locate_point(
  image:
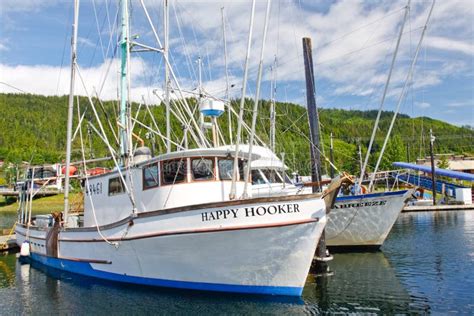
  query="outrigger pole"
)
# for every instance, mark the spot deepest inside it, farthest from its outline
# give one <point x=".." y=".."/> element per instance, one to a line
<point x="124" y="49"/>
<point x="70" y="108"/>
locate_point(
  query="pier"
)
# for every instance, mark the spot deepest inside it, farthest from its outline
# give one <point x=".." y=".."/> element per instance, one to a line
<point x="8" y="243"/>
<point x="434" y="208"/>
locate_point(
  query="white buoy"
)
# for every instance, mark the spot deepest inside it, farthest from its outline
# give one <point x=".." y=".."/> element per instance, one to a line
<point x="25" y="249"/>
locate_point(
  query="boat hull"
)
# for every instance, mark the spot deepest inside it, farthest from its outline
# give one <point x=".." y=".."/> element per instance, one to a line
<point x="267" y="254"/>
<point x="364" y="221"/>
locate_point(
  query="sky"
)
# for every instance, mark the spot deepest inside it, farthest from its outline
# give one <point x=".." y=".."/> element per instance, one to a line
<point x="353" y="45"/>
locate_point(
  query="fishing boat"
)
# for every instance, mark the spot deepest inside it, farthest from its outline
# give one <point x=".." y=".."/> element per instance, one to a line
<point x="355" y="222"/>
<point x="181" y="219"/>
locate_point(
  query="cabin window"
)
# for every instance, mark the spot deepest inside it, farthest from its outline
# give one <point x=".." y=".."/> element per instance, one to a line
<point x="116" y="186"/>
<point x="203" y="169"/>
<point x="257" y="177"/>
<point x="150" y="176"/>
<point x="272" y="176"/>
<point x="174" y="171"/>
<point x="226" y="168"/>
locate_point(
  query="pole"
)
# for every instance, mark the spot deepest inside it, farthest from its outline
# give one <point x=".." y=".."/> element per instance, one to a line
<point x="167" y="76"/>
<point x="331" y="157"/>
<point x="374" y="131"/>
<point x="360" y="160"/>
<point x="312" y="114"/>
<point x="229" y="105"/>
<point x="70" y="108"/>
<point x="123" y="79"/>
<point x="433" y="178"/>
<point x="241" y="110"/>
<point x="402" y="96"/>
<point x="321" y="256"/>
<point x="408" y="152"/>
<point x="257" y="96"/>
<point x="272" y="106"/>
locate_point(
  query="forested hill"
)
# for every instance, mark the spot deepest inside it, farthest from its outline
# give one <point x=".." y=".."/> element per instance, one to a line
<point x="33" y="129"/>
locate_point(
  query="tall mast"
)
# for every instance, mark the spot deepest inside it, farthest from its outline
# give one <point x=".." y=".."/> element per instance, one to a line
<point x="242" y="104"/>
<point x="124" y="49"/>
<point x="257" y="96"/>
<point x="374" y="131"/>
<point x="272" y="106"/>
<point x="401" y="98"/>
<point x="167" y="76"/>
<point x="70" y="107"/>
<point x="229" y="111"/>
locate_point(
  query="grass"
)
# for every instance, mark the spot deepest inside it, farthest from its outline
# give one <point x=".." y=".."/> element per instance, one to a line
<point x="43" y="205"/>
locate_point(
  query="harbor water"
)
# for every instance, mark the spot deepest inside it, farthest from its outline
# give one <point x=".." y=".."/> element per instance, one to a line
<point x="426" y="266"/>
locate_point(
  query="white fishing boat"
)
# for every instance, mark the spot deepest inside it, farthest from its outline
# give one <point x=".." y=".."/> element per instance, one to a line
<point x="181" y="219"/>
<point x="361" y="221"/>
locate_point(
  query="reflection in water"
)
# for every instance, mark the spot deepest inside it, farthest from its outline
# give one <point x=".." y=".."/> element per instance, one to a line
<point x="362" y="282"/>
<point x="426" y="266"/>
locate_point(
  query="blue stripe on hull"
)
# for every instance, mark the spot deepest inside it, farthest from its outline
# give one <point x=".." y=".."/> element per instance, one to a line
<point x="371" y="195"/>
<point x="85" y="268"/>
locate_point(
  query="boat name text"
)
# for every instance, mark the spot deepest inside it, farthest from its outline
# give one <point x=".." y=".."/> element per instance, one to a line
<point x="250" y="211"/>
<point x="361" y="204"/>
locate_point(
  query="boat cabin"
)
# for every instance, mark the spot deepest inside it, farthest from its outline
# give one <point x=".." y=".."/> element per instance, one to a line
<point x="171" y="180"/>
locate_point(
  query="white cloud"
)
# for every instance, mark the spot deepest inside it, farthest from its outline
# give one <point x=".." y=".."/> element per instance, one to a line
<point x="422" y="105"/>
<point x="450" y="45"/>
<point x="51" y="80"/>
<point x="461" y="104"/>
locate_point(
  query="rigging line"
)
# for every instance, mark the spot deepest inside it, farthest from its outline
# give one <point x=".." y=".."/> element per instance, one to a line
<point x="119" y="169"/>
<point x="99" y="29"/>
<point x="87" y="184"/>
<point x="189" y="62"/>
<point x="232" y="194"/>
<point x="402" y="95"/>
<point x="201" y="139"/>
<point x="374" y="131"/>
<point x="359" y="28"/>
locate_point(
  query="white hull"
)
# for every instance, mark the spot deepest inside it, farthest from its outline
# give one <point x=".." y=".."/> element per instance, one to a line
<point x="244" y="252"/>
<point x="364" y="220"/>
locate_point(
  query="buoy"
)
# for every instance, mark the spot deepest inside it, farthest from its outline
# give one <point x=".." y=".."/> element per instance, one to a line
<point x="25" y="249"/>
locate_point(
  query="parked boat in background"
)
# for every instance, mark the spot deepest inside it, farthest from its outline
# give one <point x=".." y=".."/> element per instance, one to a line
<point x="355" y="222"/>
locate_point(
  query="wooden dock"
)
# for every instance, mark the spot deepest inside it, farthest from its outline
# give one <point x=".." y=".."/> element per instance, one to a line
<point x="431" y="208"/>
<point x="8" y="243"/>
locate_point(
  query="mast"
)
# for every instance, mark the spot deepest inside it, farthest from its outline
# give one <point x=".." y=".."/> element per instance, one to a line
<point x="70" y="107"/>
<point x="242" y="104"/>
<point x="257" y="96"/>
<point x="124" y="49"/>
<point x="229" y="110"/>
<point x="401" y="98"/>
<point x="272" y="106"/>
<point x="433" y="175"/>
<point x="374" y="131"/>
<point x="167" y="79"/>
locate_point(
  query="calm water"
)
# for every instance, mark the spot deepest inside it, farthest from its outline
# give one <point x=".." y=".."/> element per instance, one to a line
<point x="427" y="266"/>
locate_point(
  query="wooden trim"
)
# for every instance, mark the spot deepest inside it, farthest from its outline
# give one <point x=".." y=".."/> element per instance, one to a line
<point x="199" y="231"/>
<point x="196" y="207"/>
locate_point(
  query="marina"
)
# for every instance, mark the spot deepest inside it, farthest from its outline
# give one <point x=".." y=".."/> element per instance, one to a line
<point x="153" y="186"/>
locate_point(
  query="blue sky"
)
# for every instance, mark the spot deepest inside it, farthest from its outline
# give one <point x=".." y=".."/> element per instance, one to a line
<point x="353" y="42"/>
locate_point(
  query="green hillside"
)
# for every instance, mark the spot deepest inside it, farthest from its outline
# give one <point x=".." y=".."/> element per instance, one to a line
<point x="33" y="129"/>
